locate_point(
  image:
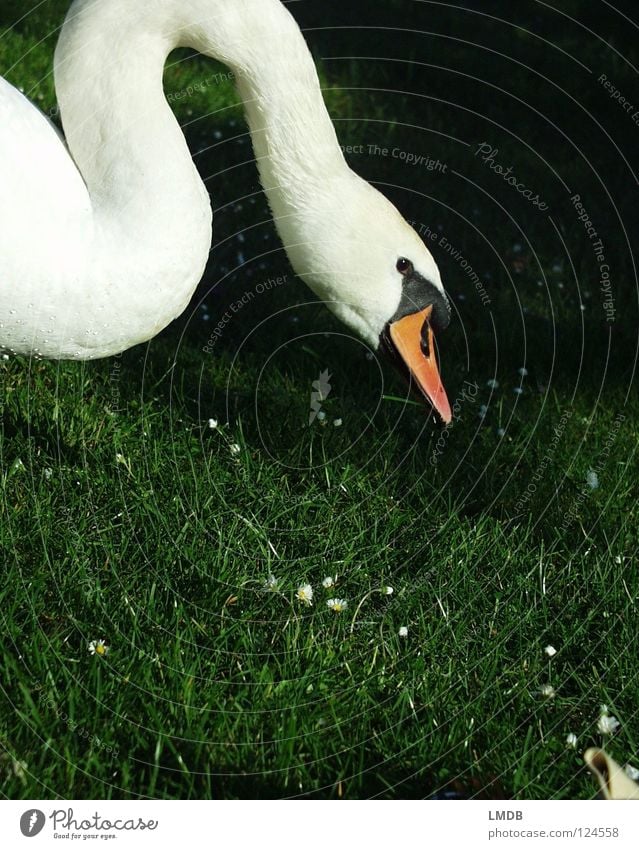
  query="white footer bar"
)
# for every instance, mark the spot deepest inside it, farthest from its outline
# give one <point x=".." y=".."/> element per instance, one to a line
<point x="311" y="825"/>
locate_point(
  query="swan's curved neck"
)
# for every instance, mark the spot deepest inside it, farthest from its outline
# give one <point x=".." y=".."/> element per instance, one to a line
<point x="126" y="142"/>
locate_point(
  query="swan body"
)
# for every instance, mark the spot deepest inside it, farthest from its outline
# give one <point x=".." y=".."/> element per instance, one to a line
<point x="104" y="235"/>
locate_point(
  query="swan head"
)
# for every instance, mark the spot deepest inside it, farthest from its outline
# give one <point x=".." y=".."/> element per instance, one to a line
<point x="375" y="274"/>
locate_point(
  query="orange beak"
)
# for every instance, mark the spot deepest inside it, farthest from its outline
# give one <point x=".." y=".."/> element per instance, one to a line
<point x="413" y="339"/>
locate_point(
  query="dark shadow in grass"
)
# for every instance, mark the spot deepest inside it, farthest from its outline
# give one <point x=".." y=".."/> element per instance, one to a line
<point x="385" y="780"/>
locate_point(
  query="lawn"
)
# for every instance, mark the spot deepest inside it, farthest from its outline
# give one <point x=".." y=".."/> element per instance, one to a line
<point x="461" y="554"/>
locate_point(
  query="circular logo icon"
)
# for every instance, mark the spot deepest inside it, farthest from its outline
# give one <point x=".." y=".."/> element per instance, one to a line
<point x="32" y="822"/>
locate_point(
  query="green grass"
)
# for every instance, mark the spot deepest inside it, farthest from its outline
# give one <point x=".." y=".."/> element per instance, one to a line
<point x="126" y="518"/>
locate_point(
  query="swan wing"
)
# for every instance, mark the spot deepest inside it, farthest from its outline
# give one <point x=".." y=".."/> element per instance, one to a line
<point x="42" y="193"/>
<point x="45" y="223"/>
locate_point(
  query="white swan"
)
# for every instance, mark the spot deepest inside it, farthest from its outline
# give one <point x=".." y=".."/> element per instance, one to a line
<point x="102" y="248"/>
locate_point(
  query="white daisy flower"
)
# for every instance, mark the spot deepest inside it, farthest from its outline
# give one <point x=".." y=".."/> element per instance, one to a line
<point x="321" y="416"/>
<point x="608" y="724"/>
<point x="518" y="390"/>
<point x="337" y="604"/>
<point x="328" y="582"/>
<point x="305" y="594"/>
<point x="551" y="651"/>
<point x="213" y="423"/>
<point x="388" y="590"/>
<point x="48" y="473"/>
<point x="592" y="479"/>
<point x="571" y="740"/>
<point x="98" y="647"/>
<point x="235" y="449"/>
<point x="523" y="372"/>
<point x="403" y="631"/>
<point x="271" y="583"/>
<point x="338" y="423"/>
<point x="492" y="383"/>
<point x="632" y="772"/>
<point x="121" y="459"/>
<point x="548" y="691"/>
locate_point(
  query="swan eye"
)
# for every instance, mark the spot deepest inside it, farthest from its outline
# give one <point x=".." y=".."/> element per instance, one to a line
<point x="405" y="266"/>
